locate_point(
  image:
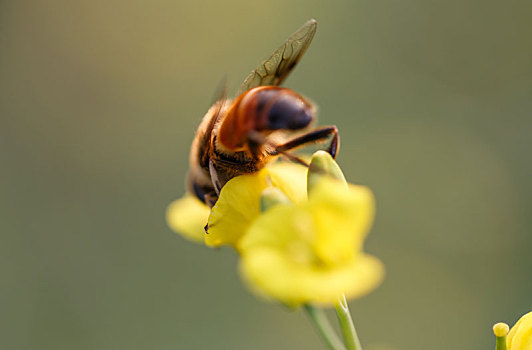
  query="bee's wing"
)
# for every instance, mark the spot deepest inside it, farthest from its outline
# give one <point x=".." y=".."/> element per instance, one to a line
<point x="220" y="94"/>
<point x="276" y="68"/>
<point x="220" y="98"/>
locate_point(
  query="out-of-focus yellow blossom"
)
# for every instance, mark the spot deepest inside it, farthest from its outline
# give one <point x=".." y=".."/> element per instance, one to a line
<point x="188" y="216"/>
<point x="520" y="336"/>
<point x="311" y="252"/>
<point x="239" y="202"/>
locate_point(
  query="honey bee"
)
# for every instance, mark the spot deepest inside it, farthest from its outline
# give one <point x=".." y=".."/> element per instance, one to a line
<point x="242" y="135"/>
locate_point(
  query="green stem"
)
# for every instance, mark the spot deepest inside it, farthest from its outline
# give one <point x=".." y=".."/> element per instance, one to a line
<point x="346" y="324"/>
<point x="500" y="343"/>
<point x="323" y="326"/>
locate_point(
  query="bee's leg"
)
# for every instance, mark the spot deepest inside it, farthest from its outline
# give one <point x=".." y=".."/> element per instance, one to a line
<point x="310" y="137"/>
<point x="255" y="142"/>
<point x="204" y="193"/>
<point x="210" y="199"/>
<point x="214" y="178"/>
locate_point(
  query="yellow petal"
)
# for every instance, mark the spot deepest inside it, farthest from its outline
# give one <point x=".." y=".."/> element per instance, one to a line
<point x="343" y="218"/>
<point x="275" y="276"/>
<point x="277" y="227"/>
<point x="520" y="336"/>
<point x="188" y="216"/>
<point x="239" y="202"/>
<point x="333" y="218"/>
<point x="237" y="206"/>
<point x="290" y="178"/>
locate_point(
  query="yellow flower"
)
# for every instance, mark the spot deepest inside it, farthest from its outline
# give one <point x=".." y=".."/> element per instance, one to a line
<point x="294" y="249"/>
<point x="237" y="206"/>
<point x="311" y="252"/>
<point x="520" y="336"/>
<point x="239" y="202"/>
<point x="188" y="216"/>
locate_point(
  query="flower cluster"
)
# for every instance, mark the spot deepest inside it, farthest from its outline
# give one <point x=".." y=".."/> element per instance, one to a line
<point x="299" y="231"/>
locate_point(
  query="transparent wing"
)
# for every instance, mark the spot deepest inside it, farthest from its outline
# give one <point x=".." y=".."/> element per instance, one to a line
<point x="220" y="93"/>
<point x="275" y="69"/>
<point x="220" y="98"/>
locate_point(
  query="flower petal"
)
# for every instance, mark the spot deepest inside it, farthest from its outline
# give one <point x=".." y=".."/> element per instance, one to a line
<point x="188" y="216"/>
<point x="274" y="275"/>
<point x="520" y="336"/>
<point x="239" y="202"/>
<point x="343" y="217"/>
<point x="237" y="206"/>
<point x="290" y="178"/>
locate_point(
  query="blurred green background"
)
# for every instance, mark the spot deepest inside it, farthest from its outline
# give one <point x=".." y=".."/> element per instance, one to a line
<point x="99" y="101"/>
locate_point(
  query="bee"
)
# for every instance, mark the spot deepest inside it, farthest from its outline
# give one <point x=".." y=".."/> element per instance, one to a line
<point x="242" y="135"/>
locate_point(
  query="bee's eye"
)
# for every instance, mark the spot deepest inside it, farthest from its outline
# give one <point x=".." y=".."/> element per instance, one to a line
<point x="290" y="113"/>
<point x="281" y="110"/>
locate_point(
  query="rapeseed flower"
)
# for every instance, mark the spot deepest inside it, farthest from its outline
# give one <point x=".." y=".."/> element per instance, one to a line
<point x="299" y="232"/>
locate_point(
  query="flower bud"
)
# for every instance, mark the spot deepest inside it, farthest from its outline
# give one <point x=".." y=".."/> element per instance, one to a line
<point x="322" y="164"/>
<point x="271" y="196"/>
<point x="500" y="330"/>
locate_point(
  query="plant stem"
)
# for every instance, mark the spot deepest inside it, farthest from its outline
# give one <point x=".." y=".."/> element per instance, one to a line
<point x="323" y="326"/>
<point x="346" y="324"/>
<point x="500" y="343"/>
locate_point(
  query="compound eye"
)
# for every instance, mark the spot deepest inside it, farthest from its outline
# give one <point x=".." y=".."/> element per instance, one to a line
<point x="289" y="113"/>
